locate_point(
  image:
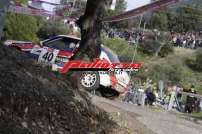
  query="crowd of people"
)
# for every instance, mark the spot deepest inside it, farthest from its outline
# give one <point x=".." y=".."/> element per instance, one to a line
<point x="190" y="40"/>
<point x="131" y="36"/>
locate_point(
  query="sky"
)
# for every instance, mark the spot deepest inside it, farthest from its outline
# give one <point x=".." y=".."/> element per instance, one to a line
<point x="131" y="4"/>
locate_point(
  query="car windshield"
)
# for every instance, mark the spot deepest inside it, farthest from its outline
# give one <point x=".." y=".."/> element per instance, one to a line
<point x="62" y="43"/>
<point x="110" y="55"/>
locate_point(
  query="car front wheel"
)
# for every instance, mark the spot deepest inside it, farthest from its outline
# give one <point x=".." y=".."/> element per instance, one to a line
<point x="89" y="80"/>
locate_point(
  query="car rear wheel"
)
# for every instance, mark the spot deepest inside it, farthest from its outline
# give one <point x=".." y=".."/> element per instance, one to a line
<point x="89" y="80"/>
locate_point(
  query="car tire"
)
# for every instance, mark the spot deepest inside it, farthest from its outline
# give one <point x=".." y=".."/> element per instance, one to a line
<point x="109" y="93"/>
<point x="89" y="80"/>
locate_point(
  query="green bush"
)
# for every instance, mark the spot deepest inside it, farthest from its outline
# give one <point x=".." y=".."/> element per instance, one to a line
<point x="21" y="1"/>
<point x="122" y="48"/>
<point x="21" y="27"/>
<point x="154" y="47"/>
<point x="52" y="28"/>
<point x="176" y="74"/>
<point x="199" y="88"/>
<point x="166" y="49"/>
<point x="198" y="61"/>
<point x="149" y="47"/>
<point x="159" y="21"/>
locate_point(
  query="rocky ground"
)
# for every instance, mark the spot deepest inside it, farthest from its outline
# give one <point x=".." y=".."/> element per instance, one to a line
<point x="34" y="100"/>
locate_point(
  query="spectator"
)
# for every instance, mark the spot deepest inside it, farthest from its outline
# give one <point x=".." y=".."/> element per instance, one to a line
<point x="186" y="40"/>
<point x="191" y="101"/>
<point x="150" y="97"/>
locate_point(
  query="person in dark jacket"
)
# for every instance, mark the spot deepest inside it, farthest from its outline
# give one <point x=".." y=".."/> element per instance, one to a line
<point x="150" y="97"/>
<point x="191" y="101"/>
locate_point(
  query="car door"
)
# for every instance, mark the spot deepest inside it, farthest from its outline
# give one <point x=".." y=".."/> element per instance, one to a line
<point x="62" y="47"/>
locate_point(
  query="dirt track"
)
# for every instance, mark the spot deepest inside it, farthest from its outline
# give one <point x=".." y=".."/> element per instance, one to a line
<point x="140" y="119"/>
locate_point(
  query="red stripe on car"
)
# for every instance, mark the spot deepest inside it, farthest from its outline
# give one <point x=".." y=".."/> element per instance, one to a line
<point x="23" y="46"/>
<point x="65" y="54"/>
<point x="113" y="80"/>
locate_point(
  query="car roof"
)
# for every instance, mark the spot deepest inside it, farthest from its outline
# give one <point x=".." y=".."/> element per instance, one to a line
<point x="69" y="36"/>
<point x="77" y="38"/>
<point x="103" y="47"/>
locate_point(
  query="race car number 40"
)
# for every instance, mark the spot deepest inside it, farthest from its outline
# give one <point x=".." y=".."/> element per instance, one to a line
<point x="48" y="55"/>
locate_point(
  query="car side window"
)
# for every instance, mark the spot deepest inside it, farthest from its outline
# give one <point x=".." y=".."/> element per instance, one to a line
<point x="66" y="44"/>
<point x="110" y="55"/>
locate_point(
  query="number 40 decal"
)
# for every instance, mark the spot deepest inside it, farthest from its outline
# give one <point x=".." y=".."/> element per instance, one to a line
<point x="48" y="56"/>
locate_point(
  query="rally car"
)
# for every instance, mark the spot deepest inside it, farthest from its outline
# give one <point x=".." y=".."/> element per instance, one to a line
<point x="60" y="49"/>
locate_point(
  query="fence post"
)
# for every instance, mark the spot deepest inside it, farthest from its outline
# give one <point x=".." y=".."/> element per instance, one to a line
<point x="143" y="99"/>
<point x="3" y="6"/>
<point x="201" y="104"/>
<point x="161" y="88"/>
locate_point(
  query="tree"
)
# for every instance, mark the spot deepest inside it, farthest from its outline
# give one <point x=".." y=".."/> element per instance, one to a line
<point x="90" y="24"/>
<point x="119" y="8"/>
<point x="21" y="27"/>
<point x="192" y="18"/>
<point x="159" y="21"/>
<point x="173" y="20"/>
<point x="180" y="19"/>
<point x="52" y="28"/>
<point x="186" y="18"/>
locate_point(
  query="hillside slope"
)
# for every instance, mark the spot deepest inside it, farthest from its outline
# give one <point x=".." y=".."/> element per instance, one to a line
<point x="173" y="69"/>
<point x="34" y="100"/>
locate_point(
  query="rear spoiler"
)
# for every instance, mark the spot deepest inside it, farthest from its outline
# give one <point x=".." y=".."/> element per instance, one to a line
<point x="10" y="42"/>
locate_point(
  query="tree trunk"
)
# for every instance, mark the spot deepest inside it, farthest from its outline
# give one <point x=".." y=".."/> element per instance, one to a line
<point x="3" y="5"/>
<point x="91" y="24"/>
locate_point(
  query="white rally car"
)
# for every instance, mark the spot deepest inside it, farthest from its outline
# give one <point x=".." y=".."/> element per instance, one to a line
<point x="59" y="50"/>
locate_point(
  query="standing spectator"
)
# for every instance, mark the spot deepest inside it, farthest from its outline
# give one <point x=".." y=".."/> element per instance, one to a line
<point x="191" y="101"/>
